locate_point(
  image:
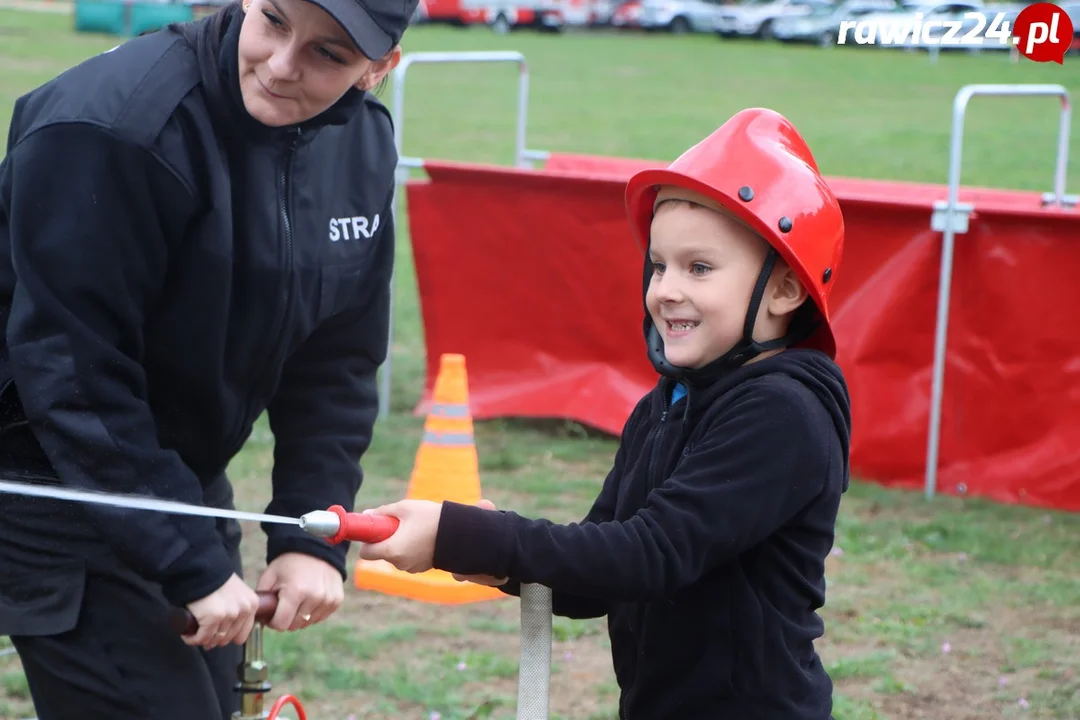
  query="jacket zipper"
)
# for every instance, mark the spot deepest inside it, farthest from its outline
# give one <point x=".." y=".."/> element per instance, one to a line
<point x="651" y="482"/>
<point x="655" y="451"/>
<point x="247" y="416"/>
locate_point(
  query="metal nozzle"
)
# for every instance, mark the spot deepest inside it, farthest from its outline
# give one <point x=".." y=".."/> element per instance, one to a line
<point x="320" y="523"/>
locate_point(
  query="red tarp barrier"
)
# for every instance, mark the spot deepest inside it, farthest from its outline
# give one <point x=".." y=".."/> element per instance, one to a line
<point x="535" y="278"/>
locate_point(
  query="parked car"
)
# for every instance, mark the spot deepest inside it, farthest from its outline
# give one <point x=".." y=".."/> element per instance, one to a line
<point x="679" y="16"/>
<point x="627" y="15"/>
<point x="755" y="18"/>
<point x="904" y="26"/>
<point x="1072" y="9"/>
<point x="995" y="26"/>
<point x="822" y="25"/>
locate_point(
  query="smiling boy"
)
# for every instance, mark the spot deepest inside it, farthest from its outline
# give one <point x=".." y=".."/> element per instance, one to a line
<point x="706" y="546"/>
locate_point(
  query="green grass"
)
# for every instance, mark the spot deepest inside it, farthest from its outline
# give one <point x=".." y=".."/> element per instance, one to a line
<point x="997" y="584"/>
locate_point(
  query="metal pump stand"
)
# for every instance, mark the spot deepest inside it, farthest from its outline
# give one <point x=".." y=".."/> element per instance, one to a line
<point x="253" y="675"/>
<point x="254" y="678"/>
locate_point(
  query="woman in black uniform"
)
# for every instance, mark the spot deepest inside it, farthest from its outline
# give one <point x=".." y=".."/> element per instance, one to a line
<point x="195" y="228"/>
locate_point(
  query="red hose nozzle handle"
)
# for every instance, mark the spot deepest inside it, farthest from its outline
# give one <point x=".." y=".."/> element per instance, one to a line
<point x="358" y="527"/>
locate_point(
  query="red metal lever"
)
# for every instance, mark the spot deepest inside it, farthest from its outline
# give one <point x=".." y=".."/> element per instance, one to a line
<point x="358" y="527"/>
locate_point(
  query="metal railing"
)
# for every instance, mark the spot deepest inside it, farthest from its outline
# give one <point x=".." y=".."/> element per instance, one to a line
<point x="523" y="157"/>
<point x="951" y="218"/>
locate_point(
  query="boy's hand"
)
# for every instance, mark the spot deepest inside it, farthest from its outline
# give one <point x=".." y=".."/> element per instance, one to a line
<point x="412" y="546"/>
<point x="482" y="579"/>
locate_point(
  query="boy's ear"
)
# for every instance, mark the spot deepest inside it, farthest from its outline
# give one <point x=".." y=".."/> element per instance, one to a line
<point x="787" y="293"/>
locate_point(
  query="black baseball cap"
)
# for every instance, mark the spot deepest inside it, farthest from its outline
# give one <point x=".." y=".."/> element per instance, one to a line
<point x="374" y="25"/>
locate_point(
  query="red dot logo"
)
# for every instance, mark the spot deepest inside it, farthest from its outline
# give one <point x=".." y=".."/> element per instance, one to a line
<point x="1043" y="32"/>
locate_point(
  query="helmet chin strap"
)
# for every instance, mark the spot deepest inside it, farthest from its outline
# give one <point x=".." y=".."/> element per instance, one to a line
<point x="744" y="350"/>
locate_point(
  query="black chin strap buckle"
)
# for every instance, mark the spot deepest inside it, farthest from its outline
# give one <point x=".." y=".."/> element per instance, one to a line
<point x="657" y="357"/>
<point x="742" y="353"/>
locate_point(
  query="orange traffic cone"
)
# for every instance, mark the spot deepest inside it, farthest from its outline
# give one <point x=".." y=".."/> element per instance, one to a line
<point x="446" y="468"/>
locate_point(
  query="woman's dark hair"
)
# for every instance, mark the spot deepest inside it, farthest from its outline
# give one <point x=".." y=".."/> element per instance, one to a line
<point x="207" y="40"/>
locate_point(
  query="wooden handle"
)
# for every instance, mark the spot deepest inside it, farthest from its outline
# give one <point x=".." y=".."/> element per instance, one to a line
<point x="184" y="623"/>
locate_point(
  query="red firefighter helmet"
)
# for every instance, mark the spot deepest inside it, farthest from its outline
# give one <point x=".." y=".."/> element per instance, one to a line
<point x="760" y="168"/>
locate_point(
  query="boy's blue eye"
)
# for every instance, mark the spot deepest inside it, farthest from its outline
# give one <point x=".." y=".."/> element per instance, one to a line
<point x="700" y="268"/>
<point x="658" y="267"/>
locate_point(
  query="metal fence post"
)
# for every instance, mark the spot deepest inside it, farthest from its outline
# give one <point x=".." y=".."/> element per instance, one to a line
<point x="522" y="156"/>
<point x="951" y="218"/>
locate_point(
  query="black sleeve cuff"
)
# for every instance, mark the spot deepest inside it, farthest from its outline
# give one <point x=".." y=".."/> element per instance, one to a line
<point x="473" y="541"/>
<point x="197" y="573"/>
<point x="511" y="587"/>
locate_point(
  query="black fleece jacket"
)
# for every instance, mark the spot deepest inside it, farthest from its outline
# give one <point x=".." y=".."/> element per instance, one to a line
<point x="705" y="548"/>
<point x="170" y="269"/>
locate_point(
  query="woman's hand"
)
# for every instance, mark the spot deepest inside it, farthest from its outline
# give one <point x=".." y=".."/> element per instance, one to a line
<point x="309" y="590"/>
<point x="225" y="616"/>
<point x="488" y="580"/>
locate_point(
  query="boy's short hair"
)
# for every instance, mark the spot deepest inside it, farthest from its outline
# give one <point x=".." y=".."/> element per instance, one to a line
<point x="676" y="193"/>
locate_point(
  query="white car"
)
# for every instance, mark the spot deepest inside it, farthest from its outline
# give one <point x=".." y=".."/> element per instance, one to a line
<point x="679" y="16"/>
<point x="822" y="25"/>
<point x="906" y="26"/>
<point x="755" y="18"/>
<point x="1072" y="9"/>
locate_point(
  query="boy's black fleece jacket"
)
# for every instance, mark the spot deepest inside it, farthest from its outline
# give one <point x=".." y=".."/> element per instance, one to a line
<point x="169" y="269"/>
<point x="705" y="548"/>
